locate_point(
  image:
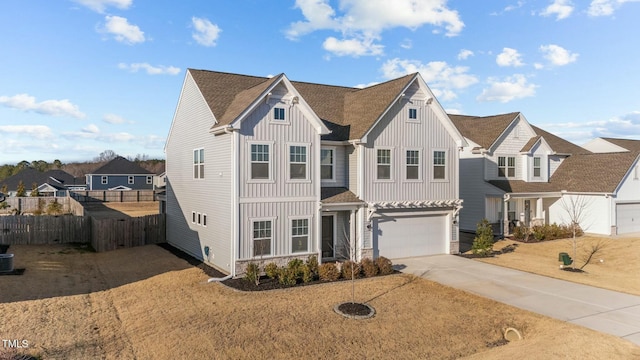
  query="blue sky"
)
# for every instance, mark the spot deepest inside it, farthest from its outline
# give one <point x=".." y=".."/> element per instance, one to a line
<point x="78" y="77"/>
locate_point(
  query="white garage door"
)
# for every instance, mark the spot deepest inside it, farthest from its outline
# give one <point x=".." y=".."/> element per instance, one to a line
<point x="399" y="236"/>
<point x="628" y="218"/>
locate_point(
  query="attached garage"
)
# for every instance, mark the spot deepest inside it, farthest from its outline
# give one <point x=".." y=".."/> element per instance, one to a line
<point x="628" y="217"/>
<point x="400" y="235"/>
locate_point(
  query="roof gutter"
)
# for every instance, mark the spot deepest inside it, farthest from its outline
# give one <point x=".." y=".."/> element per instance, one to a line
<point x="225" y="129"/>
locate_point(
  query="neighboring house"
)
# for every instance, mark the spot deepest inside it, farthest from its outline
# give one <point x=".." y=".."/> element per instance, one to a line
<point x="513" y="173"/>
<point x="120" y="174"/>
<point x="160" y="180"/>
<point x="56" y="183"/>
<point x="267" y="169"/>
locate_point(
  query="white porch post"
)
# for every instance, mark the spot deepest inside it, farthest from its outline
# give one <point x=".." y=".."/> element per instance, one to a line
<point x="352" y="237"/>
<point x="505" y="215"/>
<point x="539" y="215"/>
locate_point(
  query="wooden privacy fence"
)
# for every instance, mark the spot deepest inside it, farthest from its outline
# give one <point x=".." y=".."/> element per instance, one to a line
<point x="102" y="234"/>
<point x="33" y="204"/>
<point x="115" y="196"/>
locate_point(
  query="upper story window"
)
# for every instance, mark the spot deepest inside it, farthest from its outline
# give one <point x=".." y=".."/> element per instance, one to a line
<point x="506" y="166"/>
<point x="299" y="235"/>
<point x="260" y="161"/>
<point x="297" y="162"/>
<point x="279" y="114"/>
<point x="104" y="179"/>
<point x="149" y="180"/>
<point x="130" y="179"/>
<point x="413" y="114"/>
<point x="383" y="160"/>
<point x="326" y="164"/>
<point x="413" y="165"/>
<point x="198" y="164"/>
<point x="439" y="165"/>
<point x="261" y="238"/>
<point x="536" y="167"/>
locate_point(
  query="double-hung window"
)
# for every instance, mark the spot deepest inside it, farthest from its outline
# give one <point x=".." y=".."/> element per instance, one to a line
<point x="299" y="235"/>
<point x="413" y="165"/>
<point x="439" y="165"/>
<point x="262" y="237"/>
<point x="149" y="180"/>
<point x="260" y="161"/>
<point x="104" y="180"/>
<point x="383" y="161"/>
<point x="198" y="164"/>
<point x="536" y="167"/>
<point x="130" y="179"/>
<point x="326" y="164"/>
<point x="297" y="162"/>
<point x="506" y="166"/>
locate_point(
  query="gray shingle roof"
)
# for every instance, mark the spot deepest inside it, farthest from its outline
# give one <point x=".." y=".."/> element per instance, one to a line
<point x="29" y="176"/>
<point x="629" y="144"/>
<point x="338" y="195"/>
<point x="120" y="166"/>
<point x="349" y="112"/>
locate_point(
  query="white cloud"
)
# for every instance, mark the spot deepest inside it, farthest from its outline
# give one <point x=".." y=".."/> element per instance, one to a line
<point x="40" y="132"/>
<point x="101" y="5"/>
<point x="605" y="7"/>
<point x="622" y="126"/>
<point x="511" y="88"/>
<point x="442" y="78"/>
<point x="509" y="57"/>
<point x="558" y="55"/>
<point x="562" y="9"/>
<point x="124" y="32"/>
<point x="151" y="70"/>
<point x="509" y="8"/>
<point x="205" y="32"/>
<point x="352" y="47"/>
<point x="362" y="86"/>
<point x="364" y="20"/>
<point x="406" y="44"/>
<point x="26" y="102"/>
<point x="91" y="129"/>
<point x="115" y="119"/>
<point x="464" y="54"/>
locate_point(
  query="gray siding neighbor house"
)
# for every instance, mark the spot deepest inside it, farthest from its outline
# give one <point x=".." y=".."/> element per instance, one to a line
<point x="120" y="174"/>
<point x="269" y="169"/>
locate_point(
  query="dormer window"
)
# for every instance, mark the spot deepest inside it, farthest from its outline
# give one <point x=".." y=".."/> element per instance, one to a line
<point x="278" y="114"/>
<point x="506" y="166"/>
<point x="536" y="167"/>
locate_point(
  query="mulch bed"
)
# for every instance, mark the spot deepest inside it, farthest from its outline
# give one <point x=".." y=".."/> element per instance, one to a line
<point x="505" y="250"/>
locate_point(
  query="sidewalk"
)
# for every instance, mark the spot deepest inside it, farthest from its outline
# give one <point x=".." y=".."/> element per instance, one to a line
<point x="602" y="310"/>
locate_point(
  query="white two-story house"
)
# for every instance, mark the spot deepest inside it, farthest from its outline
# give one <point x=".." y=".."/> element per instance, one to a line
<point x="268" y="169"/>
<point x="513" y="173"/>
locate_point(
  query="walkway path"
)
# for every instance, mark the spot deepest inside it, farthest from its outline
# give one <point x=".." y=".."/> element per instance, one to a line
<point x="602" y="310"/>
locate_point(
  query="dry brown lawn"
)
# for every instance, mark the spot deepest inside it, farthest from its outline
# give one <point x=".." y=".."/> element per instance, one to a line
<point x="104" y="210"/>
<point x="145" y="303"/>
<point x="619" y="269"/>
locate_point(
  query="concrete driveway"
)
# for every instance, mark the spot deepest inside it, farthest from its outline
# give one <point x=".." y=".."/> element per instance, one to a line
<point x="602" y="310"/>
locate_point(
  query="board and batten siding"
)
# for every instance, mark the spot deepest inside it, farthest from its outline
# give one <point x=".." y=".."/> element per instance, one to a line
<point x="509" y="145"/>
<point x="258" y="127"/>
<point x="397" y="133"/>
<point x="352" y="169"/>
<point x="212" y="195"/>
<point x="280" y="213"/>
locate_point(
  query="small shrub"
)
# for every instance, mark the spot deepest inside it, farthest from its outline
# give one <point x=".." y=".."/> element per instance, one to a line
<point x="252" y="273"/>
<point x="540" y="232"/>
<point x="328" y="272"/>
<point x="296" y="265"/>
<point x="271" y="270"/>
<point x="3" y="205"/>
<point x="483" y="242"/>
<point x="287" y="276"/>
<point x="520" y="233"/>
<point x="307" y="274"/>
<point x="384" y="265"/>
<point x="369" y="268"/>
<point x="350" y="270"/>
<point x="312" y="264"/>
<point x="54" y="208"/>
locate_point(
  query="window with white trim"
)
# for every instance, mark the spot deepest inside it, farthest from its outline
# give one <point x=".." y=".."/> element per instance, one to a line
<point x="439" y="165"/>
<point x="199" y="219"/>
<point x="198" y="164"/>
<point x="506" y="166"/>
<point x="149" y="180"/>
<point x="193" y="217"/>
<point x="104" y="180"/>
<point x="279" y="114"/>
<point x="536" y="167"/>
<point x="297" y="162"/>
<point x="204" y="220"/>
<point x="260" y="161"/>
<point x="299" y="235"/>
<point x="413" y="114"/>
<point x="412" y="161"/>
<point x="383" y="162"/>
<point x="326" y="164"/>
<point x="261" y="237"/>
<point x="130" y="179"/>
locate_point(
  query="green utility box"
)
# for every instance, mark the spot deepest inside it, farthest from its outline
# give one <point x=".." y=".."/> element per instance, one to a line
<point x="565" y="258"/>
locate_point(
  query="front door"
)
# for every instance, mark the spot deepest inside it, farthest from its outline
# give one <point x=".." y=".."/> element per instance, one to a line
<point x="327" y="237"/>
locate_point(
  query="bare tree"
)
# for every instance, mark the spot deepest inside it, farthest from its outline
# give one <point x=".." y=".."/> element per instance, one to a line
<point x="577" y="210"/>
<point x="105" y="156"/>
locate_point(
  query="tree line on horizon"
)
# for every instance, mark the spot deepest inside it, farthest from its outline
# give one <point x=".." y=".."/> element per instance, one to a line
<point x="78" y="169"/>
